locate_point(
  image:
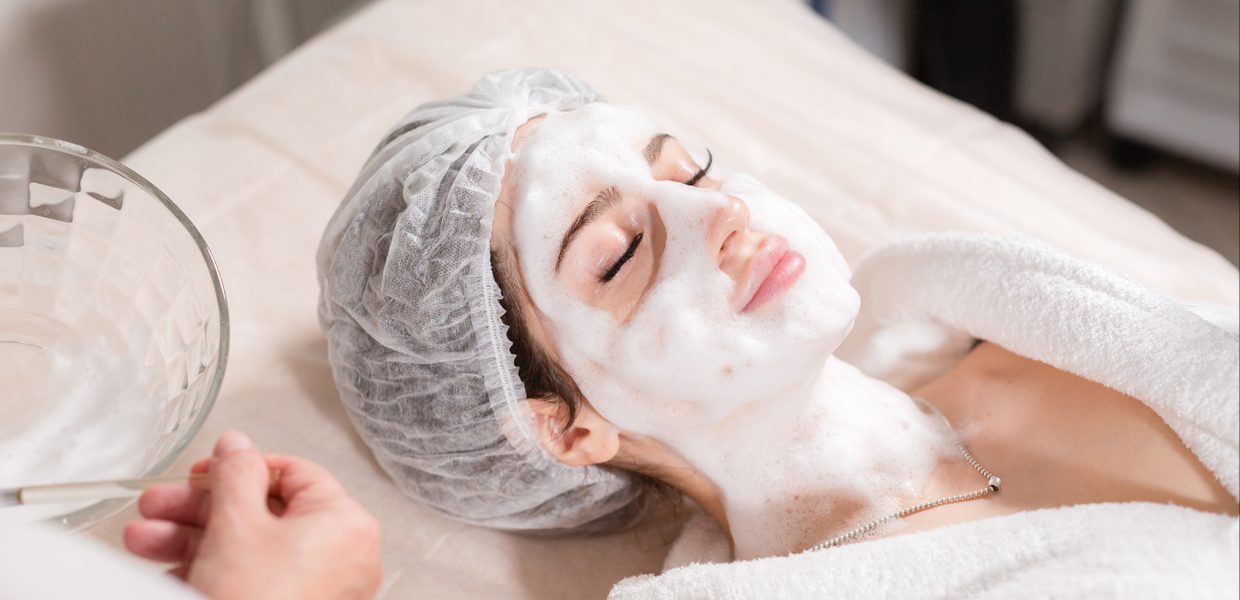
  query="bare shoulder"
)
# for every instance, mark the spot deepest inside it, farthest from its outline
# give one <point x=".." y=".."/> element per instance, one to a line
<point x="1011" y="408"/>
<point x="992" y="372"/>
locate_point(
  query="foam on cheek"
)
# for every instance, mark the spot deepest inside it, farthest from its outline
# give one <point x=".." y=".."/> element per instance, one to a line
<point x="687" y="353"/>
<point x="685" y="344"/>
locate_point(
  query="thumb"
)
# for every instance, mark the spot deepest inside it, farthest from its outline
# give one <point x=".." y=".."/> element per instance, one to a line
<point x="239" y="477"/>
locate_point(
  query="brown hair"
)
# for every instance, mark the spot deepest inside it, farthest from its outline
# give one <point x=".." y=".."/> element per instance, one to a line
<point x="545" y="379"/>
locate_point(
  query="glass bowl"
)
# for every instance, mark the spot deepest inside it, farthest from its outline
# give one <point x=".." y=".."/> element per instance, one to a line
<point x="113" y="325"/>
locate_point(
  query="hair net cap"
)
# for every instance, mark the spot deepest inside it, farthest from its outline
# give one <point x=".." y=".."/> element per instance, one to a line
<point x="413" y="320"/>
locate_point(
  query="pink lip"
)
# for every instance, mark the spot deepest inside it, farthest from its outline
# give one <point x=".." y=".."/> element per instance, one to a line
<point x="775" y="269"/>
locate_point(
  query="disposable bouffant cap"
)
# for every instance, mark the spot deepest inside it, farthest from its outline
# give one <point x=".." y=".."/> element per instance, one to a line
<point x="413" y="320"/>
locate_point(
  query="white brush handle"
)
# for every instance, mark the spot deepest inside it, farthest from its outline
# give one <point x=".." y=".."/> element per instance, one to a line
<point x="120" y="488"/>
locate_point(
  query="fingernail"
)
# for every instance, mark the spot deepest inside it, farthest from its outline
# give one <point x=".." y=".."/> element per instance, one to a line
<point x="233" y="441"/>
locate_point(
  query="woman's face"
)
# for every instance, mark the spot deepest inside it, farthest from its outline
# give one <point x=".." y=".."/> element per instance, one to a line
<point x="670" y="295"/>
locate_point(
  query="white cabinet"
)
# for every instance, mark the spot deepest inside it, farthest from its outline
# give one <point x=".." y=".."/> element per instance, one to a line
<point x="1062" y="46"/>
<point x="1175" y="83"/>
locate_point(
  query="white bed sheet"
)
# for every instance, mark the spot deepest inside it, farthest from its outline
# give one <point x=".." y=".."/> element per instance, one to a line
<point x="768" y="86"/>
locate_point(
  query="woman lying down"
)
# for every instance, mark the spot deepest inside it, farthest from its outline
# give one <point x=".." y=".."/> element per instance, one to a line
<point x="543" y="311"/>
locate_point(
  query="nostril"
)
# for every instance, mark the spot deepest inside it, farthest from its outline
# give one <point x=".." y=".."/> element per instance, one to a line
<point x="723" y="248"/>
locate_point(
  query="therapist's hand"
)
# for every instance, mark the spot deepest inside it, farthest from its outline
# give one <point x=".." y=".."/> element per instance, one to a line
<point x="308" y="540"/>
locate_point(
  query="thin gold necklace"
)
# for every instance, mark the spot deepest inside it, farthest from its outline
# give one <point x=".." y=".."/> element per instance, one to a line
<point x="992" y="487"/>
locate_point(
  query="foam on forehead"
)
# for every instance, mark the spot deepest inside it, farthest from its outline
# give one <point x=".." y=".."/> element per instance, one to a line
<point x="559" y="168"/>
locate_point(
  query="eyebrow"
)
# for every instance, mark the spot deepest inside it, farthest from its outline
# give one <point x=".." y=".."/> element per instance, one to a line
<point x="655" y="147"/>
<point x="600" y="204"/>
<point x="607" y="198"/>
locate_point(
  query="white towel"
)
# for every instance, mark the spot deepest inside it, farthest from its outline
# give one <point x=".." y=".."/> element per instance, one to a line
<point x="1135" y="550"/>
<point x="924" y="301"/>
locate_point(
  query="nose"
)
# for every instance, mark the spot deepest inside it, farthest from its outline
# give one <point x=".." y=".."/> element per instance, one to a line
<point x="728" y="230"/>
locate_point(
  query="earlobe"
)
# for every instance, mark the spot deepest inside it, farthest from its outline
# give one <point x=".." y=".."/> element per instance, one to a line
<point x="590" y="440"/>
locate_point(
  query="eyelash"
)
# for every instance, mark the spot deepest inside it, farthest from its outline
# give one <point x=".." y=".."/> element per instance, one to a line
<point x="628" y="254"/>
<point x="637" y="239"/>
<point x="710" y="160"/>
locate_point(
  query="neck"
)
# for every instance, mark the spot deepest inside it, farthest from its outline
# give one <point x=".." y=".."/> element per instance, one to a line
<point x="792" y="470"/>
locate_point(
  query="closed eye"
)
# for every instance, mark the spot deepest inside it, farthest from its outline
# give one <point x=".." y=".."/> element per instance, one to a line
<point x="624" y="258"/>
<point x="710" y="160"/>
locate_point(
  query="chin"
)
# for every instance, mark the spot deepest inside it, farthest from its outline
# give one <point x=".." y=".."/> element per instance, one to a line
<point x="820" y="309"/>
<point x="754" y="360"/>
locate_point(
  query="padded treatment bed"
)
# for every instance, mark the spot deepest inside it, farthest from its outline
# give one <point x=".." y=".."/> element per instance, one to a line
<point x="769" y="87"/>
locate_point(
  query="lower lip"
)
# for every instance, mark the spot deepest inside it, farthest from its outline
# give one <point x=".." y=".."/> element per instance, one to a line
<point x="785" y="273"/>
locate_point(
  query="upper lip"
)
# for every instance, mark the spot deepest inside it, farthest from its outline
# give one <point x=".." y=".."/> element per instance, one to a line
<point x="760" y="266"/>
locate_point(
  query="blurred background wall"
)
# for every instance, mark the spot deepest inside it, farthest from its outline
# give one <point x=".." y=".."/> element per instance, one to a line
<point x="109" y="74"/>
<point x="1142" y="95"/>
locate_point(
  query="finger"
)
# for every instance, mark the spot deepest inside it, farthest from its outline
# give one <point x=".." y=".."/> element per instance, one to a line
<point x="239" y="478"/>
<point x="177" y="503"/>
<point x="304" y="485"/>
<point x="275" y="506"/>
<point x="162" y="541"/>
<point x="200" y="466"/>
<point x="180" y="572"/>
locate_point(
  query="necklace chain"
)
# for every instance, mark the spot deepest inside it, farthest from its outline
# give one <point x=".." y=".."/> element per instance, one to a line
<point x="993" y="484"/>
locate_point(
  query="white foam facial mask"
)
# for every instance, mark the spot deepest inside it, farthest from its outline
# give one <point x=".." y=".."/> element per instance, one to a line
<point x="752" y="399"/>
<point x="686" y="358"/>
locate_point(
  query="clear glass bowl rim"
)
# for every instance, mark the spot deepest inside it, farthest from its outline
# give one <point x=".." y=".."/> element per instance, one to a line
<point x="104" y="508"/>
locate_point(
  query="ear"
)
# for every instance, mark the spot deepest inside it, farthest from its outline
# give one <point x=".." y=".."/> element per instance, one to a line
<point x="590" y="440"/>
